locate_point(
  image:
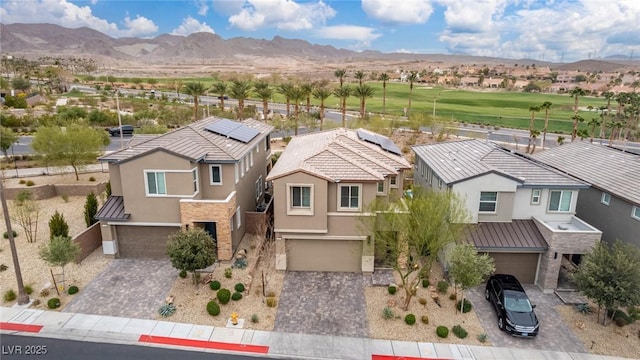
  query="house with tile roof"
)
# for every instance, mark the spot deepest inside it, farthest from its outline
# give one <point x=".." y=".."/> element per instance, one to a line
<point x="612" y="202"/>
<point x="523" y="212"/>
<point x="322" y="184"/>
<point x="207" y="174"/>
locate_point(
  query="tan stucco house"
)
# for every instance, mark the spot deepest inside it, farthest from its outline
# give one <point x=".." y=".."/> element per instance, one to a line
<point x="206" y="174"/>
<point x="523" y="211"/>
<point x="322" y="184"/>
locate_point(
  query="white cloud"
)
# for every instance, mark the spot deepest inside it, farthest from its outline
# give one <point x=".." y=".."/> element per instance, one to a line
<point x="203" y="8"/>
<point x="139" y="26"/>
<point x="399" y="11"/>
<point x="461" y="16"/>
<point x="190" y="25"/>
<point x="228" y="7"/>
<point x="347" y="32"/>
<point x="281" y="14"/>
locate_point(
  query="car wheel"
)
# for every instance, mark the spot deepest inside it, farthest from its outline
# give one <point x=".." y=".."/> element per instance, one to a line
<point x="500" y="323"/>
<point x="486" y="294"/>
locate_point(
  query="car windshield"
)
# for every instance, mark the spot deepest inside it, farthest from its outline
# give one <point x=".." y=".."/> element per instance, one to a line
<point x="517" y="304"/>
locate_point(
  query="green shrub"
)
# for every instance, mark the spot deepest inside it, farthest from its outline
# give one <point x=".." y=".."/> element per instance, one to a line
<point x="22" y="181"/>
<point x="634" y="312"/>
<point x="92" y="179"/>
<point x="442" y="286"/>
<point x="391" y="289"/>
<point x="44" y="293"/>
<point x="583" y="308"/>
<point x="167" y="310"/>
<point x="53" y="303"/>
<point x="271" y="302"/>
<point x="30" y="183"/>
<point x="215" y="285"/>
<point x="65" y="198"/>
<point x="453" y="297"/>
<point x="482" y="337"/>
<point x="619" y="314"/>
<point x="620" y="322"/>
<point x="240" y="263"/>
<point x="10" y="295"/>
<point x="223" y="295"/>
<point x="73" y="290"/>
<point x="213" y="308"/>
<point x="182" y="274"/>
<point x="422" y="301"/>
<point x="254" y="318"/>
<point x="36" y="302"/>
<point x="410" y="319"/>
<point x="6" y="234"/>
<point x="236" y="296"/>
<point x="425" y="319"/>
<point x="442" y="331"/>
<point x="466" y="307"/>
<point x="28" y="289"/>
<point x="460" y="332"/>
<point x="3" y="267"/>
<point x="228" y="273"/>
<point x="239" y="287"/>
<point x="58" y="226"/>
<point x="425" y="283"/>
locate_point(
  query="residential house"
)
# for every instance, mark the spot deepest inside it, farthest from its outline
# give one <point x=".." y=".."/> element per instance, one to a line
<point x="524" y="212"/>
<point x="206" y="174"/>
<point x="612" y="203"/>
<point x="322" y="183"/>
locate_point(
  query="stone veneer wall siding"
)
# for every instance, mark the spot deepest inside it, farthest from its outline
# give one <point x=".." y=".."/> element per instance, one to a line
<point x="220" y="212"/>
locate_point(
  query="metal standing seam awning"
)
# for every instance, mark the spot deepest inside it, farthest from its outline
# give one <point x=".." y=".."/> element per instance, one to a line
<point x="113" y="209"/>
<point x="514" y="236"/>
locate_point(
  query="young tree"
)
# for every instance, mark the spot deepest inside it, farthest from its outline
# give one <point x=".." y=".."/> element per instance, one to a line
<point x="409" y="234"/>
<point x="190" y="250"/>
<point x="58" y="226"/>
<point x="7" y="138"/>
<point x="610" y="276"/>
<point x="90" y="209"/>
<point x="26" y="212"/>
<point x="76" y="145"/>
<point x="60" y="251"/>
<point x="468" y="268"/>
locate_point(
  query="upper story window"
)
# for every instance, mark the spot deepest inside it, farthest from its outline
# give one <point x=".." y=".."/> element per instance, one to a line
<point x="216" y="174"/>
<point x="194" y="176"/>
<point x="267" y="142"/>
<point x="300" y="199"/>
<point x="635" y="212"/>
<point x="237" y="172"/>
<point x="488" y="201"/>
<point x="251" y="158"/>
<point x="350" y="198"/>
<point x="560" y="200"/>
<point x="156" y="184"/>
<point x="380" y="187"/>
<point x="238" y="218"/>
<point x="606" y="198"/>
<point x="393" y="181"/>
<point x="535" y="196"/>
<point x="259" y="187"/>
<point x="242" y="165"/>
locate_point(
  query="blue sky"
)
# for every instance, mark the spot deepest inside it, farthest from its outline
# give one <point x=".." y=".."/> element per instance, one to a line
<point x="552" y="30"/>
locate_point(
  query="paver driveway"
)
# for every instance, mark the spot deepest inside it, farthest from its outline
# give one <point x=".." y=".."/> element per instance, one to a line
<point x="323" y="303"/>
<point x="554" y="333"/>
<point x="133" y="288"/>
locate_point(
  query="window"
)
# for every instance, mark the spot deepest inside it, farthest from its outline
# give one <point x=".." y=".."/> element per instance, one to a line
<point x="238" y="218"/>
<point x="393" y="181"/>
<point x="380" y="187"/>
<point x="194" y="176"/>
<point x="259" y="187"/>
<point x="535" y="196"/>
<point x="242" y="165"/>
<point x="349" y="197"/>
<point x="267" y="143"/>
<point x="300" y="197"/>
<point x="155" y="183"/>
<point x="635" y="213"/>
<point x="237" y="172"/>
<point x="251" y="158"/>
<point x="488" y="201"/>
<point x="246" y="164"/>
<point x="439" y="183"/>
<point x="560" y="200"/>
<point x="606" y="198"/>
<point x="216" y="174"/>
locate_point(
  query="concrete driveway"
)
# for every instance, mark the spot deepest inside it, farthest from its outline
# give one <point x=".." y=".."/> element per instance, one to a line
<point x="134" y="288"/>
<point x="553" y="335"/>
<point x="323" y="303"/>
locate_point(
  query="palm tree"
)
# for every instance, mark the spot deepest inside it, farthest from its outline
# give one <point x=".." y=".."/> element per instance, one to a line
<point x="307" y="89"/>
<point x="413" y="77"/>
<point x="240" y="90"/>
<point x="609" y="95"/>
<point x="363" y="92"/>
<point x="195" y="89"/>
<point x="264" y="91"/>
<point x="220" y="88"/>
<point x="534" y="135"/>
<point x="321" y="93"/>
<point x="285" y="90"/>
<point x="614" y="125"/>
<point x="340" y="74"/>
<point x="343" y="92"/>
<point x="360" y="75"/>
<point x="576" y="92"/>
<point x="297" y="95"/>
<point x="178" y="84"/>
<point x="384" y="77"/>
<point x="546" y="106"/>
<point x="592" y="124"/>
<point x="533" y="109"/>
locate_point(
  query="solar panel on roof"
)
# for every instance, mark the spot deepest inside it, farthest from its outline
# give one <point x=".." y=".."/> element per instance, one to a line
<point x="233" y="130"/>
<point x="388" y="145"/>
<point x="244" y="134"/>
<point x="384" y="142"/>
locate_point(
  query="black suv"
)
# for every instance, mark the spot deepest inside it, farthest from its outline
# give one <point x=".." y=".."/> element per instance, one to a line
<point x="126" y="130"/>
<point x="515" y="312"/>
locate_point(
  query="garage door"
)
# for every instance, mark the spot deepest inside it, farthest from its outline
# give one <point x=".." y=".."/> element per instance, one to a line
<point x="143" y="241"/>
<point x="324" y="255"/>
<point x="522" y="266"/>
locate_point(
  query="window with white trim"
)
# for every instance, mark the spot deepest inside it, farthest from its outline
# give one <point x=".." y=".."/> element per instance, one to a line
<point x="380" y="186"/>
<point x="349" y="197"/>
<point x="535" y="196"/>
<point x="242" y="165"/>
<point x="251" y="158"/>
<point x="300" y="199"/>
<point x="560" y="200"/>
<point x="156" y="183"/>
<point x="488" y="201"/>
<point x="246" y="163"/>
<point x="238" y="218"/>
<point x="606" y="198"/>
<point x="215" y="172"/>
<point x="237" y="172"/>
<point x="635" y="212"/>
<point x="393" y="181"/>
<point x="194" y="176"/>
<point x="259" y="187"/>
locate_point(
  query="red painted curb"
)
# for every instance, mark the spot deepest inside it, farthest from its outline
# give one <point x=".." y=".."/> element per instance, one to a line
<point x="20" y="327"/>
<point x="204" y="344"/>
<point x="395" y="357"/>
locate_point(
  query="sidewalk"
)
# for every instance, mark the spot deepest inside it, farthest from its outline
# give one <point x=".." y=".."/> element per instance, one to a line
<point x="233" y="339"/>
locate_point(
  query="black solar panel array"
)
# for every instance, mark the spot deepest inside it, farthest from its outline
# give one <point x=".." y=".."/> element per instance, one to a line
<point x="233" y="130"/>
<point x="382" y="141"/>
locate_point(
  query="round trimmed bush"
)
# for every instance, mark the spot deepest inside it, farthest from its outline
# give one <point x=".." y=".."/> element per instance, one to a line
<point x="425" y="319"/>
<point x="215" y="285"/>
<point x="10" y="295"/>
<point x="182" y="274"/>
<point x="410" y="319"/>
<point x="460" y="332"/>
<point x="239" y="287"/>
<point x="466" y="307"/>
<point x="442" y="331"/>
<point x="425" y="283"/>
<point x="271" y="302"/>
<point x="442" y="286"/>
<point x="53" y="303"/>
<point x="223" y="295"/>
<point x="213" y="308"/>
<point x="236" y="296"/>
<point x="392" y="289"/>
<point x="73" y="290"/>
<point x="28" y="289"/>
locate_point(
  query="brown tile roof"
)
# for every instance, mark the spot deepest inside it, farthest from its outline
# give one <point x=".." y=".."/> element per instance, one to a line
<point x="113" y="209"/>
<point x="518" y="235"/>
<point x="337" y="155"/>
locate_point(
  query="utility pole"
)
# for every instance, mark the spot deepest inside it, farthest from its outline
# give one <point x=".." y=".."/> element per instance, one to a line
<point x="23" y="298"/>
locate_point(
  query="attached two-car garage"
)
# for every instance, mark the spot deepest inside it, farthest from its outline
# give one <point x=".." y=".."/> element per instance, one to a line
<point x="324" y="255"/>
<point x="143" y="241"/>
<point x="521" y="265"/>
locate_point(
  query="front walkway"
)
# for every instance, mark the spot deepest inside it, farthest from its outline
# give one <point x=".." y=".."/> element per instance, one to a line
<point x="134" y="288"/>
